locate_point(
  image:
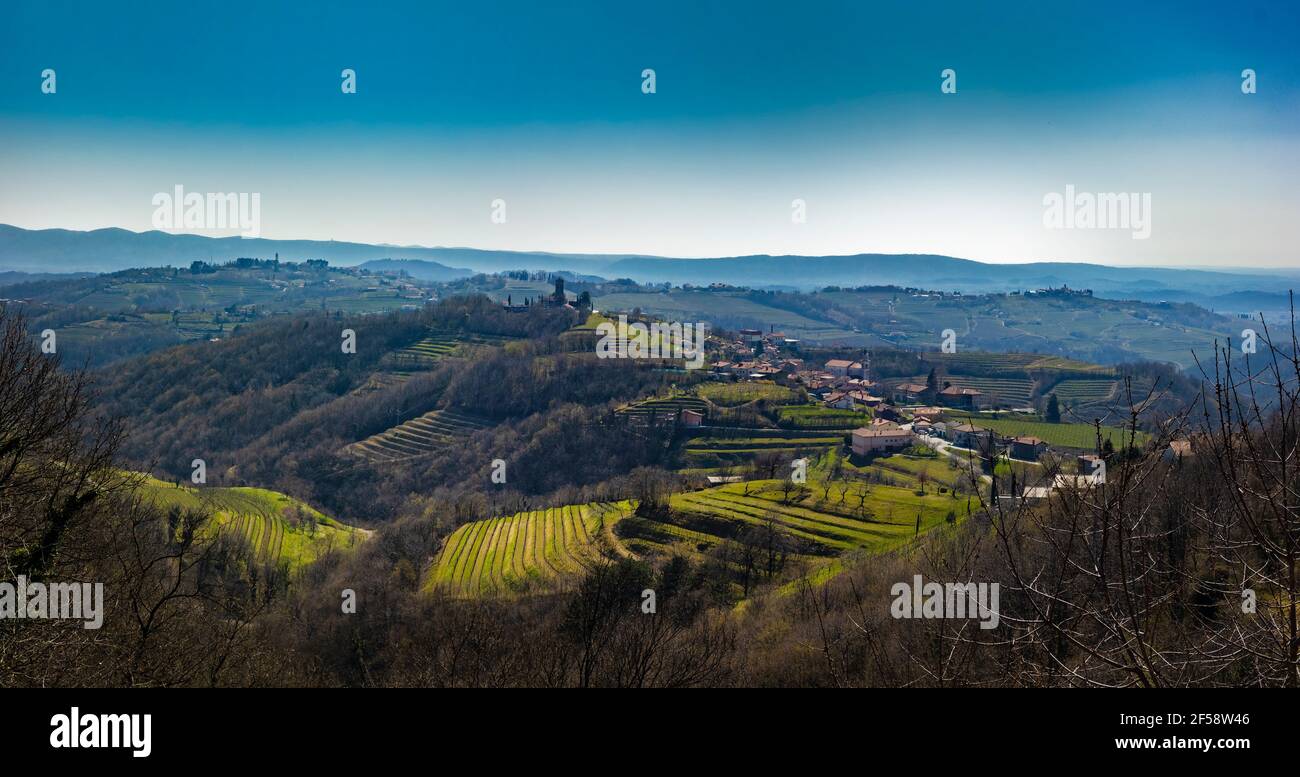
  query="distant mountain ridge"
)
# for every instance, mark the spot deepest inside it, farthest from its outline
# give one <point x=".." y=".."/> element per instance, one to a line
<point x="103" y="250"/>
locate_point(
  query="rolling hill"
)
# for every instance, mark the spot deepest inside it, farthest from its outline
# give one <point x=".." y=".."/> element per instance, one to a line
<point x="101" y="250"/>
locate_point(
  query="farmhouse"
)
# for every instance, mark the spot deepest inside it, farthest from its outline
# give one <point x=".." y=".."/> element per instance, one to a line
<point x="964" y="435"/>
<point x="1027" y="448"/>
<point x="691" y="418"/>
<point x="1090" y="464"/>
<point x="954" y="396"/>
<point x="867" y="441"/>
<point x="909" y="393"/>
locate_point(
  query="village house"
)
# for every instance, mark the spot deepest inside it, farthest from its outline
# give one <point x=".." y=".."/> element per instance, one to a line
<point x="838" y="400"/>
<point x="820" y="389"/>
<point x="908" y="393"/>
<point x="752" y="338"/>
<point x="863" y="399"/>
<point x="1027" y="448"/>
<point x="691" y="418"/>
<point x="930" y="414"/>
<point x="869" y="441"/>
<point x="964" y="435"/>
<point x="955" y="396"/>
<point x="839" y="367"/>
<point x="888" y="413"/>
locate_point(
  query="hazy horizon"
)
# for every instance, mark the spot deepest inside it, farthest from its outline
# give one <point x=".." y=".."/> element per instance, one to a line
<point x="1241" y="270"/>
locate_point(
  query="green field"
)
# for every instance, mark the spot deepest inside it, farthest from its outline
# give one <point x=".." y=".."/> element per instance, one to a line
<point x="525" y="551"/>
<point x="279" y="529"/>
<point x="733" y="394"/>
<point x="1081" y="436"/>
<point x="818" y="417"/>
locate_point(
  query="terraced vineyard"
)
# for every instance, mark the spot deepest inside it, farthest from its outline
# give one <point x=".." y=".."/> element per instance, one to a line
<point x="1015" y="391"/>
<point x="661" y="408"/>
<point x="525" y="551"/>
<point x="985" y="361"/>
<point x="280" y="530"/>
<point x="888" y="518"/>
<point x="1082" y="392"/>
<point x="417" y="437"/>
<point x="438" y="345"/>
<point x="384" y="379"/>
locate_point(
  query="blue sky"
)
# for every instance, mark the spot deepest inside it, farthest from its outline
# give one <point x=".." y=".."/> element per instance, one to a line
<point x="757" y="104"/>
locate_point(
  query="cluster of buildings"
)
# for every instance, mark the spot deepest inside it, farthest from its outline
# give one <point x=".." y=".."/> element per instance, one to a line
<point x="948" y="396"/>
<point x="841" y="384"/>
<point x="756" y="354"/>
